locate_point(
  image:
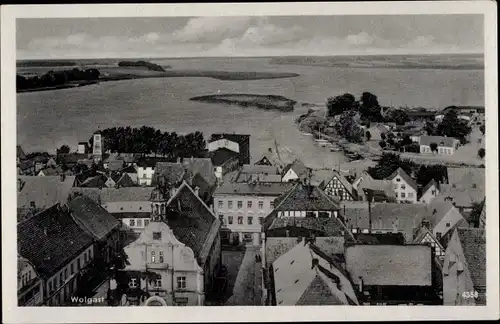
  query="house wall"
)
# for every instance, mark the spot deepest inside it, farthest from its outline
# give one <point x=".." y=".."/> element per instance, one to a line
<point x="428" y="195"/>
<point x="29" y="296"/>
<point x="449" y="220"/>
<point x="290" y="175"/>
<point x="455" y="282"/>
<point x="335" y="188"/>
<point x="261" y="206"/>
<point x="135" y="224"/>
<point x="303" y="213"/>
<point x="178" y="261"/>
<point x="404" y="192"/>
<point x="64" y="284"/>
<point x="443" y="150"/>
<point x="145" y="175"/>
<point x="438" y="250"/>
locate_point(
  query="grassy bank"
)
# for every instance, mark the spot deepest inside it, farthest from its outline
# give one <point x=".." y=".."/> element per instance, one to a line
<point x="250" y="100"/>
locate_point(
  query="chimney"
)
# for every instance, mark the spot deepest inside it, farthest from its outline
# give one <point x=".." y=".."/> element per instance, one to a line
<point x="315" y="263"/>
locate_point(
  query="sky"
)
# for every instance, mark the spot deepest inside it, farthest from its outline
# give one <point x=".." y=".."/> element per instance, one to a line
<point x="66" y="38"/>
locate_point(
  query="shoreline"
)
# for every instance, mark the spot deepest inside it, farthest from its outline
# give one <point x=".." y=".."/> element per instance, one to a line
<point x="219" y="75"/>
<point x="268" y="102"/>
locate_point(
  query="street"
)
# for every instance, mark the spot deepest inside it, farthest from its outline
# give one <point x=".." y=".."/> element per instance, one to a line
<point x="246" y="290"/>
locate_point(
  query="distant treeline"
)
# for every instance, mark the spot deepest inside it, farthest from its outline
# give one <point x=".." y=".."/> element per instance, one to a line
<point x="148" y="140"/>
<point x="44" y="63"/>
<point x="56" y="78"/>
<point x="149" y="65"/>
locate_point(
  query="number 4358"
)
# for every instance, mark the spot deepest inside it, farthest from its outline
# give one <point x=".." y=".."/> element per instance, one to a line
<point x="470" y="294"/>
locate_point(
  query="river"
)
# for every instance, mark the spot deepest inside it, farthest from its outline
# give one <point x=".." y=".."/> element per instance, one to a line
<point x="48" y="119"/>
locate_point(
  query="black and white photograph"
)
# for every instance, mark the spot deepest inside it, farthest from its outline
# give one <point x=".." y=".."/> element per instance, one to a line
<point x="230" y="159"/>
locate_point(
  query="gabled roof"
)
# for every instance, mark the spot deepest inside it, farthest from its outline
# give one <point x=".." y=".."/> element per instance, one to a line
<point x="70" y="158"/>
<point x="272" y="157"/>
<point x="337" y="175"/>
<point x="298" y="167"/>
<point x="126" y="194"/>
<point x="44" y="191"/>
<point x="98" y="181"/>
<point x="422" y="232"/>
<point x="192" y="221"/>
<point x="439" y="140"/>
<point x="461" y="198"/>
<point x="150" y="162"/>
<point x="52" y="171"/>
<point x="405" y="177"/>
<point x="429" y="185"/>
<point x="305" y="198"/>
<point x="51" y="239"/>
<point x="125" y="181"/>
<point x="298" y="281"/>
<point x="203" y="166"/>
<point x="129" y="169"/>
<point x="24" y="165"/>
<point x="438" y="209"/>
<point x="473" y="242"/>
<point x="171" y="171"/>
<point x="390" y="265"/>
<point x="221" y="156"/>
<point x="92" y="217"/>
<point x="398" y="217"/>
<point x="115" y="165"/>
<point x="92" y="193"/>
<point x="331" y="227"/>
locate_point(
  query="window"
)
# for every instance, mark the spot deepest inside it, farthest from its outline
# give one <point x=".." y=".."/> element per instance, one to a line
<point x="433" y="192"/>
<point x="132" y="222"/>
<point x="90" y="254"/>
<point x="153" y="257"/>
<point x="156" y="236"/>
<point x="240" y="204"/>
<point x="56" y="282"/>
<point x="396" y="195"/>
<point x="220" y="204"/>
<point x="230" y="220"/>
<point x="398" y="180"/>
<point x="158" y="283"/>
<point x="271" y="204"/>
<point x="181" y="282"/>
<point x="146" y="222"/>
<point x="84" y="258"/>
<point x="403" y="195"/>
<point x="65" y="274"/>
<point x="230" y="204"/>
<point x="261" y="204"/>
<point x="249" y="204"/>
<point x="71" y="269"/>
<point x="221" y="218"/>
<point x="410" y="195"/>
<point x="133" y="283"/>
<point x="139" y="223"/>
<point x="161" y="256"/>
<point x="438" y="236"/>
<point x="448" y="224"/>
<point x="240" y="220"/>
<point x="403" y="187"/>
<point x="261" y="220"/>
<point x="50" y="287"/>
<point x="78" y="264"/>
<point x="140" y="208"/>
<point x="250" y="220"/>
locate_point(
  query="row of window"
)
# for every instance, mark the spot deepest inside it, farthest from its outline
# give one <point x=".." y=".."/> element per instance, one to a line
<point x="181" y="282"/>
<point x="403" y="195"/>
<point x="25" y="278"/>
<point x="220" y="204"/>
<point x="60" y="280"/>
<point x="230" y="220"/>
<point x="138" y="222"/>
<point x="441" y="150"/>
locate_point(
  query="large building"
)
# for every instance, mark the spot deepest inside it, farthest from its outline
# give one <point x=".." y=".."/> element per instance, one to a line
<point x="242" y="207"/>
<point x="29" y="284"/>
<point x="59" y="250"/>
<point x="444" y="145"/>
<point x="235" y="142"/>
<point x="404" y="186"/>
<point x="177" y="256"/>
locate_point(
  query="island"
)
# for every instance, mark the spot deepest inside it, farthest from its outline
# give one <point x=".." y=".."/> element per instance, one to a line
<point x="148" y="65"/>
<point x="250" y="100"/>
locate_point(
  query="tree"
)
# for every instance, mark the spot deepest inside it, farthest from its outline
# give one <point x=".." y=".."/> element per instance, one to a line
<point x="406" y="140"/>
<point x="368" y="135"/>
<point x="337" y="105"/>
<point x="382" y="136"/>
<point x="430" y="128"/>
<point x="481" y="153"/>
<point x="428" y="172"/>
<point x="434" y="147"/>
<point x="482" y="129"/>
<point x="390" y="141"/>
<point x="64" y="149"/>
<point x="369" y="107"/>
<point x="452" y="126"/>
<point x="388" y="163"/>
<point x="348" y="127"/>
<point x="399" y="116"/>
<point x="382" y="144"/>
